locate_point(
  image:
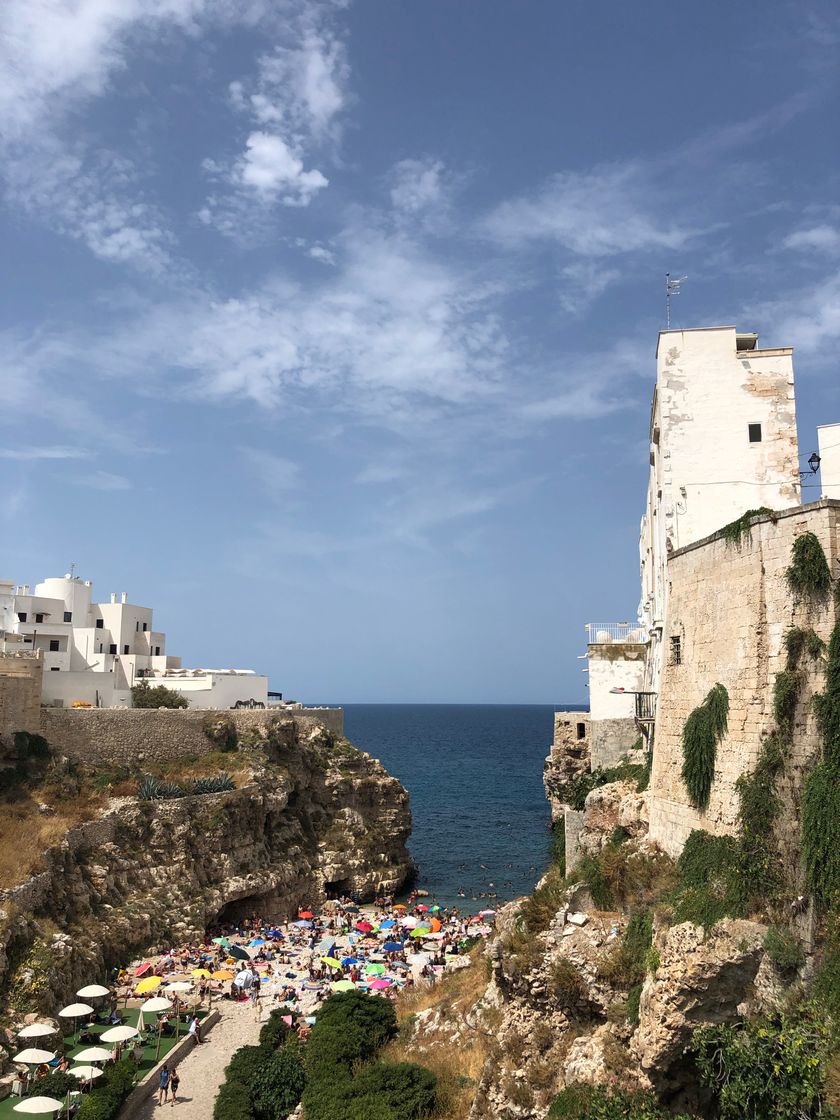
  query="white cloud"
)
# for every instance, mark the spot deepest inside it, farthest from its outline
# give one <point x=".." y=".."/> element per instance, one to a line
<point x="820" y="239"/>
<point x="274" y="171"/>
<point x="33" y="454"/>
<point x="583" y="281"/>
<point x="275" y="473"/>
<point x="608" y="210"/>
<point x="102" y="480"/>
<point x="321" y="253"/>
<point x="417" y="184"/>
<point x="809" y="318"/>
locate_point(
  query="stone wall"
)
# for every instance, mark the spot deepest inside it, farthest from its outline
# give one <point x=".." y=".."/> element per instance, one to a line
<point x="126" y="736"/>
<point x="611" y="740"/>
<point x="731" y="607"/>
<point x="569" y="757"/>
<point x="20" y="697"/>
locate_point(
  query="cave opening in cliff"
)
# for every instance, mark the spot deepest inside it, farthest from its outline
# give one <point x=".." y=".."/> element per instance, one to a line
<point x="341" y="888"/>
<point x="265" y="906"/>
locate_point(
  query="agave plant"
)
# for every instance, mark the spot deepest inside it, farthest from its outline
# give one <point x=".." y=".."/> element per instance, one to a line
<point x="148" y="789"/>
<point x="171" y="789"/>
<point x="220" y="783"/>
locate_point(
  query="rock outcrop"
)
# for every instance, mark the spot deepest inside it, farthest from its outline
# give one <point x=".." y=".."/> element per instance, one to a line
<point x="312" y="818"/>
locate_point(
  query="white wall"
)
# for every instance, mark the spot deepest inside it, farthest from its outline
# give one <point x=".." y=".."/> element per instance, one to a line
<point x="609" y="669"/>
<point x="68" y="687"/>
<point x="828" y="441"/>
<point x="217" y="690"/>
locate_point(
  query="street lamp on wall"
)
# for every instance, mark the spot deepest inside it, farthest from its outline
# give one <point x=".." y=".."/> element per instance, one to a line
<point x="813" y="465"/>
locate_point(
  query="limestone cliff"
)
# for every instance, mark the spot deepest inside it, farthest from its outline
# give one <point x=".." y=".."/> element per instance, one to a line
<point x="311" y="816"/>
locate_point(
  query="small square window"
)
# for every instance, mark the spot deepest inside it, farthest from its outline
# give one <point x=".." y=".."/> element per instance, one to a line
<point x="112" y="648"/>
<point x="68" y="616"/>
<point x="125" y="649"/>
<point x="676" y="650"/>
<point x="100" y="624"/>
<point x="21" y="616"/>
<point x="754" y="432"/>
<point x="145" y="627"/>
<point x="53" y="645"/>
<point x="581" y="731"/>
<point x="39" y="618"/>
<point x="157" y="651"/>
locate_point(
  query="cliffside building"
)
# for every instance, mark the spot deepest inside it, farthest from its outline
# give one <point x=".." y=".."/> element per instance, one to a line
<point x="94" y="653"/>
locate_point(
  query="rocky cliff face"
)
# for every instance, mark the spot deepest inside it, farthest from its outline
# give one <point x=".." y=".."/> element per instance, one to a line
<point x="312" y="818"/>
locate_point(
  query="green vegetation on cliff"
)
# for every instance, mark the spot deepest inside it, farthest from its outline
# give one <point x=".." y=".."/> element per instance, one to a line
<point x="703" y="730"/>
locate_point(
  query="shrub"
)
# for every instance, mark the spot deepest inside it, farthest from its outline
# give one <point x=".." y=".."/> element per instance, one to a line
<point x="274" y="1031"/>
<point x="143" y="696"/>
<point x="758" y="805"/>
<point x="233" y="1102"/>
<point x="710" y="885"/>
<point x="741" y="527"/>
<point x="245" y="1064"/>
<point x="278" y="1084"/>
<point x="590" y="1102"/>
<point x="808" y="572"/>
<point x="766" y="1069"/>
<point x="634" y="998"/>
<point x="827" y="979"/>
<point x="785" y="695"/>
<point x="799" y="641"/>
<point x="703" y="730"/>
<point x="30" y="746"/>
<point x="350" y="1026"/>
<point x="106" y="1098"/>
<point x="783" y="948"/>
<point x="821" y="832"/>
<point x="617" y="875"/>
<point x="408" y="1090"/>
<point x="56" y="1085"/>
<point x="627" y="963"/>
<point x="567" y="981"/>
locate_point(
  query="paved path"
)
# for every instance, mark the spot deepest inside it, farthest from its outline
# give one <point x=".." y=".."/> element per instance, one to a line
<point x="202" y="1071"/>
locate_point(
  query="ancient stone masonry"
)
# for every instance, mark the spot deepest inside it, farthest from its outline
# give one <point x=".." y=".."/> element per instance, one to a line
<point x="20" y="697"/>
<point x="313" y="818"/>
<point x="568" y="758"/>
<point x="732" y="607"/>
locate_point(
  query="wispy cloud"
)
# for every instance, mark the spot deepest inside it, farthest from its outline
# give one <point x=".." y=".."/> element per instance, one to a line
<point x="818" y="239"/>
<point x="275" y="474"/>
<point x="102" y="480"/>
<point x="36" y="453"/>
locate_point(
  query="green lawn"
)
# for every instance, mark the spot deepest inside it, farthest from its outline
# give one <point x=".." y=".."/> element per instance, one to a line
<point x="149" y="1051"/>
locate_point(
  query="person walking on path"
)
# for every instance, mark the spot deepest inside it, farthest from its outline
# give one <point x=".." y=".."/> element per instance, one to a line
<point x="174" y="1082"/>
<point x="195" y="1029"/>
<point x="163" y="1083"/>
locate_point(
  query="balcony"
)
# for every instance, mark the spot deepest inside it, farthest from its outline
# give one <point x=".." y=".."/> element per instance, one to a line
<point x="645" y="707"/>
<point x="613" y="633"/>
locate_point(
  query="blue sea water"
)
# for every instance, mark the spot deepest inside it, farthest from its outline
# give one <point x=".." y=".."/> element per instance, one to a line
<point x="474" y="773"/>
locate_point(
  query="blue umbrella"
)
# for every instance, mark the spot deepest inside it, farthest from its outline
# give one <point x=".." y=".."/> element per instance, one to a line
<point x="388" y="925"/>
<point x="257" y="941"/>
<point x="392" y="947"/>
<point x="350" y="960"/>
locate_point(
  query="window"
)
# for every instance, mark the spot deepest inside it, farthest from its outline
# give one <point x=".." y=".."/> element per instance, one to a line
<point x="112" y="648"/>
<point x="136" y="627"/>
<point x="68" y="616"/>
<point x="676" y="649"/>
<point x="21" y="616"/>
<point x="101" y="648"/>
<point x="54" y="669"/>
<point x="125" y="649"/>
<point x="145" y="627"/>
<point x="581" y="731"/>
<point x="39" y="618"/>
<point x="100" y="624"/>
<point x="754" y="432"/>
<point x="157" y="651"/>
<point x="53" y="645"/>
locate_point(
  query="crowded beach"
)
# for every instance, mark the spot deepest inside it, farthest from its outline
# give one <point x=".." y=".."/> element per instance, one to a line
<point x="151" y="1003"/>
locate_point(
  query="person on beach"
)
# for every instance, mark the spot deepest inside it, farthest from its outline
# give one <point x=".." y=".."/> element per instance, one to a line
<point x="174" y="1083"/>
<point x="163" y="1083"/>
<point x="195" y="1030"/>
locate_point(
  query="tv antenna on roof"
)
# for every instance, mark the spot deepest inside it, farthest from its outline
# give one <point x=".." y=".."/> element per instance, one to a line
<point x="672" y="288"/>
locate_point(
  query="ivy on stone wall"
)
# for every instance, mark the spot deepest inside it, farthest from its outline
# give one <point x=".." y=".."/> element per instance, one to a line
<point x="808" y="573"/>
<point x="741" y="528"/>
<point x="703" y="730"/>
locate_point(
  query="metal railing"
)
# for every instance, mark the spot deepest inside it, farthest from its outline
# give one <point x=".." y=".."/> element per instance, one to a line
<point x="605" y="633"/>
<point x="645" y="707"/>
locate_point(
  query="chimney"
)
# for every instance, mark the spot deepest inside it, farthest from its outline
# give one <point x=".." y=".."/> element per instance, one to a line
<point x="124" y="597"/>
<point x="113" y="596"/>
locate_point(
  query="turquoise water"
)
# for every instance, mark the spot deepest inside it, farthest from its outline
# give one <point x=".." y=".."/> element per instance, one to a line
<point x="474" y="773"/>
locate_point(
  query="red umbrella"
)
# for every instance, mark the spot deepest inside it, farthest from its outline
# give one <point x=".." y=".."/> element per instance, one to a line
<point x="307" y="914"/>
<point x="422" y="907"/>
<point x="143" y="969"/>
<point x="364" y="927"/>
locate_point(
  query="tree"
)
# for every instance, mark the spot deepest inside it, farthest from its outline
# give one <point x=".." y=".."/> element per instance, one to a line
<point x="278" y="1085"/>
<point x="142" y="696"/>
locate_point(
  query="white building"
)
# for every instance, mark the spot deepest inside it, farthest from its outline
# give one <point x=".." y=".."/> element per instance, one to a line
<point x="94" y="653"/>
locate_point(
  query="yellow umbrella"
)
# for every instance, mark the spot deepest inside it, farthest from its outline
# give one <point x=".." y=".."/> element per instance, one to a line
<point x="149" y="983"/>
<point x="223" y="974"/>
<point x="331" y="961"/>
<point x="202" y="973"/>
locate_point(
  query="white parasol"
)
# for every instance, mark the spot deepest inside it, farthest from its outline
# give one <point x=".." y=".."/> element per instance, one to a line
<point x="37" y="1030"/>
<point x="93" y="991"/>
<point x="34" y="1057"/>
<point x="86" y="1073"/>
<point x="76" y="1011"/>
<point x="157" y="1003"/>
<point x="38" y="1105"/>
<point x="118" y="1034"/>
<point x="179" y="986"/>
<point x="94" y="1054"/>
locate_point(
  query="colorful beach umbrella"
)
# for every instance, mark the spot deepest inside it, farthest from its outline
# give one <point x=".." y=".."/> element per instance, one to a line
<point x="381" y="983"/>
<point x="364" y="926"/>
<point x="257" y="941"/>
<point x="199" y="973"/>
<point x="419" y="931"/>
<point x="223" y="974"/>
<point x="421" y="907"/>
<point x="350" y="960"/>
<point x="148" y="984"/>
<point x="238" y="953"/>
<point x="388" y="925"/>
<point x="142" y="969"/>
<point x="343" y="986"/>
<point x="223" y="941"/>
<point x="392" y="947"/>
<point x="331" y="961"/>
<point x="434" y="908"/>
<point x="375" y="969"/>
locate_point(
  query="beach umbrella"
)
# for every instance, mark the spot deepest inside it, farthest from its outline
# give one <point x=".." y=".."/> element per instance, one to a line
<point x="37" y="1030"/>
<point x="382" y="982"/>
<point x="303" y="924"/>
<point x="421" y="907"/>
<point x="353" y="910"/>
<point x="238" y="954"/>
<point x="179" y="986"/>
<point x="420" y="931"/>
<point x="350" y="960"/>
<point x="392" y="947"/>
<point x="409" y="922"/>
<point x="158" y="1003"/>
<point x="435" y="908"/>
<point x="311" y="986"/>
<point x="118" y="1034"/>
<point x="223" y="974"/>
<point x="342" y="986"/>
<point x="93" y="991"/>
<point x="93" y="1054"/>
<point x="33" y="1056"/>
<point x="307" y="914"/>
<point x="399" y="906"/>
<point x="388" y="925"/>
<point x="76" y="1011"/>
<point x="142" y="969"/>
<point x="374" y="969"/>
<point x="223" y="941"/>
<point x="486" y="913"/>
<point x="149" y="984"/>
<point x="364" y="926"/>
<point x="201" y="974"/>
<point x="257" y="941"/>
<point x="86" y="1073"/>
<point x="331" y="961"/>
<point x="38" y="1106"/>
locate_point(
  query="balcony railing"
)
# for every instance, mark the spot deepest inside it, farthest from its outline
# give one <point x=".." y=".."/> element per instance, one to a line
<point x="606" y="633"/>
<point x="645" y="707"/>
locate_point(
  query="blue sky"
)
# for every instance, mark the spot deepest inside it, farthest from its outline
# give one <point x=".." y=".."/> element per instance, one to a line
<point x="327" y="328"/>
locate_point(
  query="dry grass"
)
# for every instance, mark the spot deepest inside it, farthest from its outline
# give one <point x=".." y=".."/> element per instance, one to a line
<point x="457" y="1065"/>
<point x="26" y="832"/>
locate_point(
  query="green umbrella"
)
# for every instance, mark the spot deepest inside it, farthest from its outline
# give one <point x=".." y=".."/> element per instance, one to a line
<point x="420" y="931"/>
<point x="343" y="986"/>
<point x="374" y="969"/>
<point x="331" y="961"/>
<point x="223" y="941"/>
